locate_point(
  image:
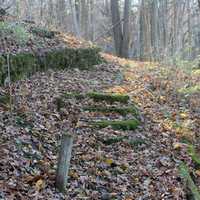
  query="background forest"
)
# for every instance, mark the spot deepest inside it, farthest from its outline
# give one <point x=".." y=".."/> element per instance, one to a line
<point x="146" y="29"/>
<point x="120" y="122"/>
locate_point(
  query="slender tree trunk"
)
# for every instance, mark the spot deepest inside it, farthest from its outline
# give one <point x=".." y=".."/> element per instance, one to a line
<point x="84" y="18"/>
<point x="117" y="26"/>
<point x="126" y="30"/>
<point x="61" y="9"/>
<point x="74" y="18"/>
<point x="142" y="30"/>
<point x="154" y="28"/>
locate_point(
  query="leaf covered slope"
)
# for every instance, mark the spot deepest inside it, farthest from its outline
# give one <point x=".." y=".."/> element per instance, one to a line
<point x="106" y="163"/>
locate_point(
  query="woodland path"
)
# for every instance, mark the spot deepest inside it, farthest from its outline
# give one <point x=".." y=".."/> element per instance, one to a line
<point x="146" y="170"/>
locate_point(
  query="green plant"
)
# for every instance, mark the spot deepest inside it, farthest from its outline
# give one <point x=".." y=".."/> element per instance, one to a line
<point x="42" y="32"/>
<point x="185" y="174"/>
<point x="113" y="140"/>
<point x="108" y="97"/>
<point x="192" y="153"/>
<point x="136" y="142"/>
<point x="123" y="111"/>
<point x="27" y="63"/>
<point x="190" y="90"/>
<point x="131" y="124"/>
<point x="14" y="31"/>
<point x="4" y="100"/>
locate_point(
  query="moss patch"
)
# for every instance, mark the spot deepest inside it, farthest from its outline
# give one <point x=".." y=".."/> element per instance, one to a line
<point x="136" y="142"/>
<point x="185" y="174"/>
<point x="15" y="31"/>
<point x="25" y="64"/>
<point x="118" y="125"/>
<point x="4" y="100"/>
<point x="108" y="97"/>
<point x="74" y="95"/>
<point x="123" y="111"/>
<point x="113" y="140"/>
<point x="193" y="155"/>
<point x="42" y="32"/>
<point x="190" y="90"/>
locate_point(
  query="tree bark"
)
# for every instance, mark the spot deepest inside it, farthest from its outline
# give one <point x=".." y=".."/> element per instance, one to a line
<point x="117" y="27"/>
<point x="74" y="18"/>
<point x="126" y="30"/>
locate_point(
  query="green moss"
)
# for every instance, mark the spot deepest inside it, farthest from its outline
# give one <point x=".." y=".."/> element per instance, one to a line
<point x="114" y="140"/>
<point x="185" y="174"/>
<point x="184" y="140"/>
<point x="22" y="122"/>
<point x="26" y="64"/>
<point x="108" y="97"/>
<point x="190" y="90"/>
<point x="74" y="95"/>
<point x="22" y="65"/>
<point x="123" y="111"/>
<point x="4" y="100"/>
<point x="136" y="142"/>
<point x="59" y="103"/>
<point x="104" y="97"/>
<point x="118" y="125"/>
<point x="42" y="32"/>
<point x="15" y="31"/>
<point x="193" y="155"/>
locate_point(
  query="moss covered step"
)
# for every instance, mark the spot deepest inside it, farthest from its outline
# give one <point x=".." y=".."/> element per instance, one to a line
<point x="134" y="143"/>
<point x="113" y="140"/>
<point x="195" y="157"/>
<point x="185" y="174"/>
<point x="25" y="64"/>
<point x="4" y="100"/>
<point x="131" y="124"/>
<point x="111" y="98"/>
<point x="74" y="95"/>
<point x="42" y="32"/>
<point x="123" y="111"/>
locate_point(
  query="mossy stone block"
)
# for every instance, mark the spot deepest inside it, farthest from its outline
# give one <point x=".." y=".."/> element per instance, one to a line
<point x="113" y="140"/>
<point x="195" y="158"/>
<point x="25" y="64"/>
<point x="108" y="97"/>
<point x="122" y="111"/>
<point x="131" y="124"/>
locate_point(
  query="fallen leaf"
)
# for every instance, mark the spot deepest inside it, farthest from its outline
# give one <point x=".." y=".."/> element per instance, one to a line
<point x="39" y="185"/>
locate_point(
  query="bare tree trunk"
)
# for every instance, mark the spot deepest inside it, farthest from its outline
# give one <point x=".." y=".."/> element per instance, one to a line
<point x="91" y="20"/>
<point x="117" y="27"/>
<point x="142" y="31"/>
<point x="61" y="9"/>
<point x="126" y="30"/>
<point x="74" y="18"/>
<point x="84" y="18"/>
<point x="154" y="28"/>
<point x="50" y="13"/>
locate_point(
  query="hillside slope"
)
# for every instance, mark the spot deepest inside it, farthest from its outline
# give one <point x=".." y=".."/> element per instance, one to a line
<point x="139" y="164"/>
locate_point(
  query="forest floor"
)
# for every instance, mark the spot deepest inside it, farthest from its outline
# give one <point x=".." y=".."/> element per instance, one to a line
<point x="168" y="101"/>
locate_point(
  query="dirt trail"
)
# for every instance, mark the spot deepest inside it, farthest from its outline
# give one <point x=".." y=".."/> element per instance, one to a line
<point x="98" y="171"/>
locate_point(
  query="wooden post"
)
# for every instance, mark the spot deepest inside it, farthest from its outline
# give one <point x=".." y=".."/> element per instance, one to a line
<point x="64" y="162"/>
